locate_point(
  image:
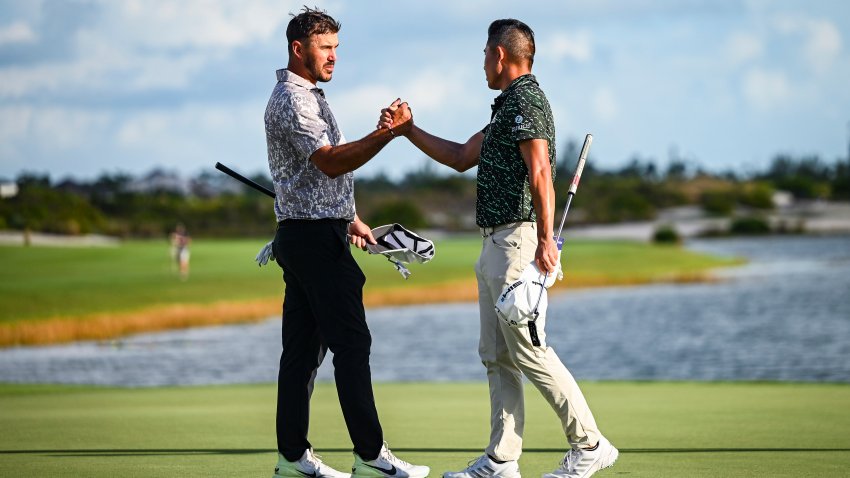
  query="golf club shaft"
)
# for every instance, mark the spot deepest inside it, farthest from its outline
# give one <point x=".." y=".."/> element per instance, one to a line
<point x="582" y="158"/>
<point x="233" y="174"/>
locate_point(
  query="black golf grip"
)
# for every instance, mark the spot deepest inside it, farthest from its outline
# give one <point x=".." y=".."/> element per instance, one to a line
<point x="233" y="174"/>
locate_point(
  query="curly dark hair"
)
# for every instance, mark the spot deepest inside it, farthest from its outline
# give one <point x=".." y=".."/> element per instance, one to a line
<point x="311" y="21"/>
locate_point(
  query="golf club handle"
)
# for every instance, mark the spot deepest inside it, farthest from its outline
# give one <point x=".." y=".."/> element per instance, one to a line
<point x="233" y="174"/>
<point x="582" y="158"/>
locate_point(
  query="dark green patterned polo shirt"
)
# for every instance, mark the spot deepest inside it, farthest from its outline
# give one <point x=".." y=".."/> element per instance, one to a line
<point x="521" y="112"/>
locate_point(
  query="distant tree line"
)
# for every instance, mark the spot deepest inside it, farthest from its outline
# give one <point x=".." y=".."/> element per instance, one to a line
<point x="215" y="205"/>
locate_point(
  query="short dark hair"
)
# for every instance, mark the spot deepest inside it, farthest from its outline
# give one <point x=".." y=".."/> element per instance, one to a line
<point x="311" y="21"/>
<point x="514" y="36"/>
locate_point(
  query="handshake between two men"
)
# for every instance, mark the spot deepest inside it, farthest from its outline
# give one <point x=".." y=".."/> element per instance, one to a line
<point x="398" y="118"/>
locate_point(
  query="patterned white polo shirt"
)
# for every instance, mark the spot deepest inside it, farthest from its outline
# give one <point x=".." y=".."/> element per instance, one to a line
<point x="299" y="122"/>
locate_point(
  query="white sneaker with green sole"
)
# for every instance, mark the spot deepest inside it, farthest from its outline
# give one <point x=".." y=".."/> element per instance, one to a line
<point x="309" y="466"/>
<point x="386" y="465"/>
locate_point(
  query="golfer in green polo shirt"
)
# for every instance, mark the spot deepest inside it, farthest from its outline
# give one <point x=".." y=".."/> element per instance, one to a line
<point x="515" y="155"/>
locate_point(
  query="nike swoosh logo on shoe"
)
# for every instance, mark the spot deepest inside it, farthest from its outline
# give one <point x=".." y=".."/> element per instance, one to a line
<point x="392" y="471"/>
<point x="308" y="475"/>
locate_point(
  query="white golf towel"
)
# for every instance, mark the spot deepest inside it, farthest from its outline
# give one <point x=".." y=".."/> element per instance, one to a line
<point x="401" y="246"/>
<point x="398" y="244"/>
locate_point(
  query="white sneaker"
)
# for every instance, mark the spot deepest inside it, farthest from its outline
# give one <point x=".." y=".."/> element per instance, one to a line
<point x="580" y="463"/>
<point x="484" y="467"/>
<point x="309" y="466"/>
<point x="386" y="465"/>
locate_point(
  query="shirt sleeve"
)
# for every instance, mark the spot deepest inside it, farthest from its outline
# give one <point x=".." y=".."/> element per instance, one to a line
<point x="305" y="127"/>
<point x="529" y="121"/>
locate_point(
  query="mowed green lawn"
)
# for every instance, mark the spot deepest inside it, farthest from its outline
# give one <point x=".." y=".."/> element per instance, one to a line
<point x="41" y="282"/>
<point x="662" y="429"/>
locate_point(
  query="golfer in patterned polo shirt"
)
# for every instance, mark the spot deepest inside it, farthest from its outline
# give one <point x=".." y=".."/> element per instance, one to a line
<point x="311" y="165"/>
<point x="515" y="155"/>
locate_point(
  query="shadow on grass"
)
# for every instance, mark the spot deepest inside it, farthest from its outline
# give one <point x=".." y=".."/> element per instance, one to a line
<point x="254" y="451"/>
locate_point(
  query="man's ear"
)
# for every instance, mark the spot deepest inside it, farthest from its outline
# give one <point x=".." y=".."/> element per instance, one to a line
<point x="297" y="49"/>
<point x="503" y="54"/>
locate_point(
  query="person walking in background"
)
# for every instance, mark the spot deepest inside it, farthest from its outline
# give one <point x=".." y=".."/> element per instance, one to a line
<point x="311" y="166"/>
<point x="515" y="155"/>
<point x="180" y="241"/>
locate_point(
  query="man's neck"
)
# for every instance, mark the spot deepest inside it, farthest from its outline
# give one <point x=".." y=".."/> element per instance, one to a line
<point x="298" y="69"/>
<point x="511" y="73"/>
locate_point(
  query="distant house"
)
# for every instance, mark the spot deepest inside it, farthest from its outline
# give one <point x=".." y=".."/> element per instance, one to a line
<point x="782" y="199"/>
<point x="8" y="189"/>
<point x="158" y="181"/>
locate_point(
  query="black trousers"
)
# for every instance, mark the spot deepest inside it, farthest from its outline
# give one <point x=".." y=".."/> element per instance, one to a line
<point x="323" y="309"/>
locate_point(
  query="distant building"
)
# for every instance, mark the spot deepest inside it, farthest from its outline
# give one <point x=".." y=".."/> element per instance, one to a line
<point x="782" y="199"/>
<point x="159" y="181"/>
<point x="8" y="189"/>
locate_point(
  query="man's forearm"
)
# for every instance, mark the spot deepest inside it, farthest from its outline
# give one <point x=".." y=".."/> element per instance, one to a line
<point x="543" y="199"/>
<point x="459" y="157"/>
<point x="338" y="160"/>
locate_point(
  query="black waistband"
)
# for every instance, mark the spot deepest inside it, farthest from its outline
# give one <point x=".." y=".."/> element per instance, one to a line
<point x="308" y="222"/>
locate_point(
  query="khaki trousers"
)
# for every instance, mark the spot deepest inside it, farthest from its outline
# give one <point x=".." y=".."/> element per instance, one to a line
<point x="508" y="354"/>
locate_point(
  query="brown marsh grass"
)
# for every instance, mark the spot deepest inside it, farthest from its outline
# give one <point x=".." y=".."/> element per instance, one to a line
<point x="104" y="326"/>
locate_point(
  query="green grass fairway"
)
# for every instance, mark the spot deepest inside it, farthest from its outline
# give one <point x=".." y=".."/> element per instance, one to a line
<point x="41" y="282"/>
<point x="662" y="429"/>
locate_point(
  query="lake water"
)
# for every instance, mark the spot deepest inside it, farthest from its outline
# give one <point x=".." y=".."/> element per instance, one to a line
<point x="784" y="316"/>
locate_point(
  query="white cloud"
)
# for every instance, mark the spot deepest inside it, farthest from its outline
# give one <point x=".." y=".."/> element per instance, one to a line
<point x="123" y="82"/>
<point x="108" y="70"/>
<point x="429" y="91"/>
<point x="562" y="45"/>
<point x="435" y="90"/>
<point x="53" y="129"/>
<point x="197" y="130"/>
<point x="743" y="47"/>
<point x="357" y="109"/>
<point x="14" y="123"/>
<point x="605" y="105"/>
<point x="142" y="46"/>
<point x="18" y="32"/>
<point x="823" y="42"/>
<point x="65" y="128"/>
<point x="766" y="89"/>
<point x="193" y="136"/>
<point x="197" y="23"/>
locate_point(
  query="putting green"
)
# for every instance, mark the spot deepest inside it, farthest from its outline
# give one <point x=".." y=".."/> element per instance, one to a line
<point x="662" y="429"/>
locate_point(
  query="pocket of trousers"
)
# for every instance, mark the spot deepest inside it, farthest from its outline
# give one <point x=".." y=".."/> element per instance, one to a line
<point x="507" y="239"/>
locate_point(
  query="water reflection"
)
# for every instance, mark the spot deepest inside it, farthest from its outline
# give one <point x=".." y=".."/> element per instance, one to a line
<point x="784" y="316"/>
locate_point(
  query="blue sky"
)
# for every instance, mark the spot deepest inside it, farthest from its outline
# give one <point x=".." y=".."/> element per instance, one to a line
<point x="95" y="86"/>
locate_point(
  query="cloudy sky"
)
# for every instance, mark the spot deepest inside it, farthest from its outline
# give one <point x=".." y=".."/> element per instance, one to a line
<point x="94" y="86"/>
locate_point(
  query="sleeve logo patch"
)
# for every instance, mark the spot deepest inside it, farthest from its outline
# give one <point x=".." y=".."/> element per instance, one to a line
<point x="521" y="125"/>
